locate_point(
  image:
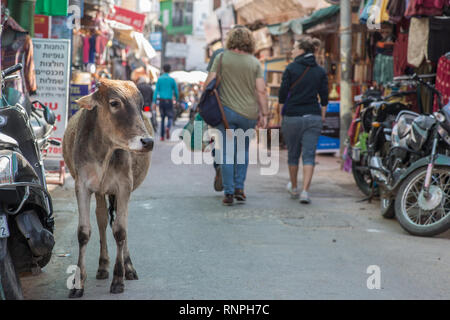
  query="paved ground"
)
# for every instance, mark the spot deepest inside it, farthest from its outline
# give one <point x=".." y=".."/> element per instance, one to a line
<point x="186" y="245"/>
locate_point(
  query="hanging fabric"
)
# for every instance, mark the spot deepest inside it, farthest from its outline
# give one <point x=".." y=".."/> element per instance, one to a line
<point x="418" y="41"/>
<point x="439" y="39"/>
<point x="443" y="81"/>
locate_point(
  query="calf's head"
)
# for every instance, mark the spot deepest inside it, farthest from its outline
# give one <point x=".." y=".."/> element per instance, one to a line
<point x="119" y="114"/>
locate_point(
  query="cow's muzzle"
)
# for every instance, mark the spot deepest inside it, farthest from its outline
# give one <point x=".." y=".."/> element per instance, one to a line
<point x="141" y="144"/>
<point x="147" y="144"/>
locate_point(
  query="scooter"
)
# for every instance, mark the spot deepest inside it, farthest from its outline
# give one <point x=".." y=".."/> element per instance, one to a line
<point x="26" y="212"/>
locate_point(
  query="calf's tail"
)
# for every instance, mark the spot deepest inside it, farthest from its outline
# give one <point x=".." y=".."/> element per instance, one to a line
<point x="112" y="208"/>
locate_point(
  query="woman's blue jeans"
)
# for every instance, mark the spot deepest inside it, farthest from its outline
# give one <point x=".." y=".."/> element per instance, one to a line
<point x="234" y="164"/>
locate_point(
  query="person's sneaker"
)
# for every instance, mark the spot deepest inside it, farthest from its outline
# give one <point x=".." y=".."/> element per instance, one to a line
<point x="304" y="197"/>
<point x="218" y="186"/>
<point x="239" y="195"/>
<point x="161" y="139"/>
<point x="293" y="192"/>
<point x="228" y="200"/>
<point x="167" y="133"/>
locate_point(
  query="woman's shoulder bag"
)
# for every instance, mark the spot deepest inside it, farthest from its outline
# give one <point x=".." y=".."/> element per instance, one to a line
<point x="210" y="107"/>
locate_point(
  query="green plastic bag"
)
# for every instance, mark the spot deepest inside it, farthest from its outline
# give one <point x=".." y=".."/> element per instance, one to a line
<point x="193" y="134"/>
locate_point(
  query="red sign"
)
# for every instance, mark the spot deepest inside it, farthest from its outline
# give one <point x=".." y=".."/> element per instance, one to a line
<point x="41" y="26"/>
<point x="128" y="17"/>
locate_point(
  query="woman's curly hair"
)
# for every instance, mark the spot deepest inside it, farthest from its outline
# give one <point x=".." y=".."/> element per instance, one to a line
<point x="242" y="39"/>
<point x="307" y="43"/>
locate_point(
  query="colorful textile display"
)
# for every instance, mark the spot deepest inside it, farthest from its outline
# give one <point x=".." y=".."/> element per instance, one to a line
<point x="443" y="81"/>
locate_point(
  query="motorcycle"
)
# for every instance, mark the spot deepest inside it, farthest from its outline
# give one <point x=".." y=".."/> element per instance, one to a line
<point x="422" y="202"/>
<point x="26" y="212"/>
<point x="358" y="150"/>
<point x="377" y="121"/>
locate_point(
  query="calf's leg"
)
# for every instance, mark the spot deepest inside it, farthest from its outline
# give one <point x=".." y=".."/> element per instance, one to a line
<point x="84" y="233"/>
<point x="130" y="272"/>
<point x="102" y="222"/>
<point x="120" y="234"/>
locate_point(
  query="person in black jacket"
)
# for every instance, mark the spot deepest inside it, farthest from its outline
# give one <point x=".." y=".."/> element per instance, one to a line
<point x="145" y="87"/>
<point x="303" y="81"/>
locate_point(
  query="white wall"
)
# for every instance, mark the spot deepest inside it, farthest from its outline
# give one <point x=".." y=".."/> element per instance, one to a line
<point x="196" y="53"/>
<point x="197" y="41"/>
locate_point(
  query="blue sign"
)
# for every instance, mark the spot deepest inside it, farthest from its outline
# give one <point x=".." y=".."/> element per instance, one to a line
<point x="156" y="40"/>
<point x="329" y="138"/>
<point x="76" y="92"/>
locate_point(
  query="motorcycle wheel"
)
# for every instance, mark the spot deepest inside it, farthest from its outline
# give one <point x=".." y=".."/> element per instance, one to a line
<point x="387" y="207"/>
<point x="10" y="287"/>
<point x="418" y="215"/>
<point x="363" y="178"/>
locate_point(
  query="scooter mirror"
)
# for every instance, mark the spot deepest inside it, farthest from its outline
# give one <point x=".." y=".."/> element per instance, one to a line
<point x="49" y="116"/>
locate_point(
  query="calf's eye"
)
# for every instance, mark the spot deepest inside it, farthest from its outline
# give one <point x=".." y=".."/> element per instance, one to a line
<point x="114" y="104"/>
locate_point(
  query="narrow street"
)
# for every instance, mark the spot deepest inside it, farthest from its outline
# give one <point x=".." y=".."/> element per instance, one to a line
<point x="185" y="245"/>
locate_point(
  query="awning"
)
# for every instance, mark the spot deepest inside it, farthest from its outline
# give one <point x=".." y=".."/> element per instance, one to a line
<point x="299" y="26"/>
<point x="320" y="16"/>
<point x="136" y="40"/>
<point x="269" y="11"/>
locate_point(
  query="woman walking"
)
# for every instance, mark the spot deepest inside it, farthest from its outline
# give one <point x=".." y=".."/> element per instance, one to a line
<point x="303" y="80"/>
<point x="244" y="97"/>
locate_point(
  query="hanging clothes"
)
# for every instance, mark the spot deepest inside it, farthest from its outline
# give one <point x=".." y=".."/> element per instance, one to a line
<point x="396" y="10"/>
<point x="366" y="12"/>
<point x="400" y="54"/>
<point x="425" y="8"/>
<point x="425" y="95"/>
<point x="418" y="41"/>
<point x="85" y="50"/>
<point x="92" y="51"/>
<point x="100" y="45"/>
<point x="77" y="47"/>
<point x="439" y="39"/>
<point x="17" y="47"/>
<point x="443" y="81"/>
<point x="383" y="69"/>
<point x="384" y="15"/>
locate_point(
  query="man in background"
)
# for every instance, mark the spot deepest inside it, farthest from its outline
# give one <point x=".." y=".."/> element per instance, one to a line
<point x="166" y="89"/>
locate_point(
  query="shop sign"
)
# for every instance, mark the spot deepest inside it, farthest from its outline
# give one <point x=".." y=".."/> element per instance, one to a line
<point x="41" y="26"/>
<point x="60" y="29"/>
<point x="176" y="50"/>
<point x="329" y="138"/>
<point x="52" y="65"/>
<point x="156" y="40"/>
<point x="77" y="91"/>
<point x="128" y="17"/>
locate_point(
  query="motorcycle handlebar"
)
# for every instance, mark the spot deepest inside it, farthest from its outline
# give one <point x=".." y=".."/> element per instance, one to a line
<point x="11" y="70"/>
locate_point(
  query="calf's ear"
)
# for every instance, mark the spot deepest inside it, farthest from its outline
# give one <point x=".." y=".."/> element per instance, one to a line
<point x="87" y="102"/>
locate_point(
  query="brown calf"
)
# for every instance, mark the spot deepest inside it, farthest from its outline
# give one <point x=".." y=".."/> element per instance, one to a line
<point x="107" y="148"/>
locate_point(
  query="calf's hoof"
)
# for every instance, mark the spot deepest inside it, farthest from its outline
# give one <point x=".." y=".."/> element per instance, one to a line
<point x="117" y="288"/>
<point x="76" y="293"/>
<point x="131" y="275"/>
<point x="102" y="274"/>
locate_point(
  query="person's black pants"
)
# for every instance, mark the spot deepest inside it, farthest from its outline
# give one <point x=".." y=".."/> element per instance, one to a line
<point x="166" y="110"/>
